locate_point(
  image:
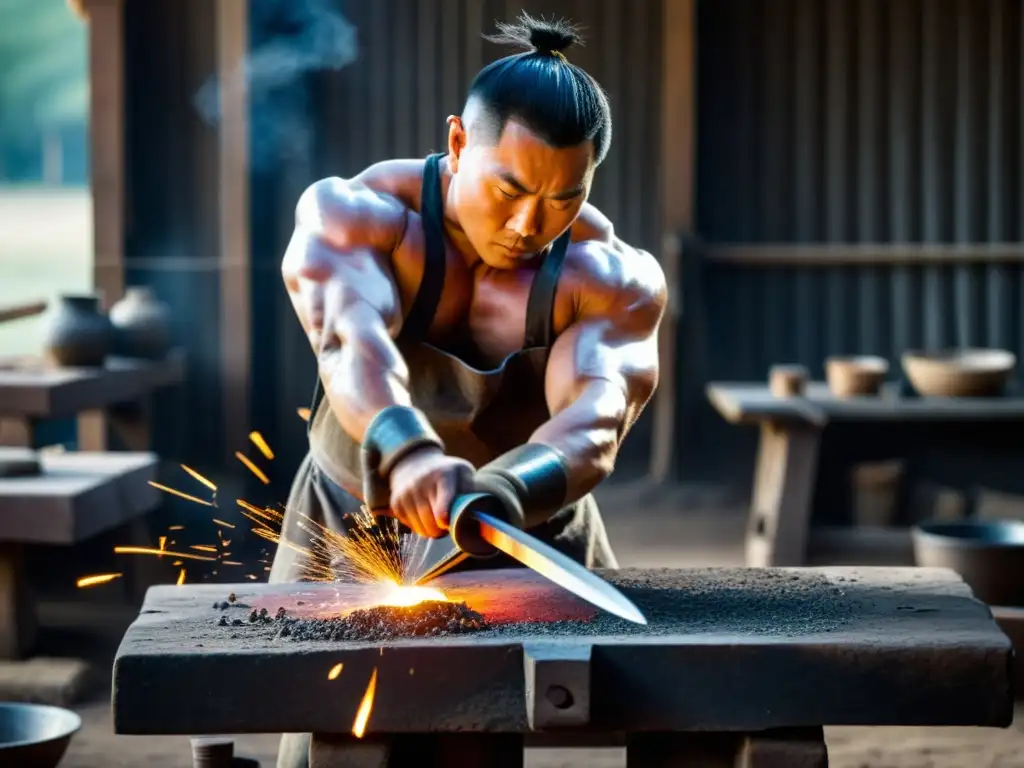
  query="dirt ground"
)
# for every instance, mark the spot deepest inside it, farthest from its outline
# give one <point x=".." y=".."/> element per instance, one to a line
<point x="692" y="526"/>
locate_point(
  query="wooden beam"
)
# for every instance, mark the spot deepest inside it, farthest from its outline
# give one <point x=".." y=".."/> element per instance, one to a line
<point x="235" y="291"/>
<point x="106" y="136"/>
<point x="678" y="136"/>
<point x="852" y="254"/>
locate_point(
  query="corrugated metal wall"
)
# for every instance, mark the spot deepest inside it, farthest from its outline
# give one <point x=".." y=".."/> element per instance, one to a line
<point x="171" y="206"/>
<point x="858" y="121"/>
<point x="415" y="61"/>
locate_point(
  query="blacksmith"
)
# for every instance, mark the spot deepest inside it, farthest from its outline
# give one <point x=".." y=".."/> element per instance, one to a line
<point x="475" y="320"/>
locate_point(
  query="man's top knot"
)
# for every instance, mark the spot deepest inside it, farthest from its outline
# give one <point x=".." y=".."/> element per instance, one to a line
<point x="539" y="35"/>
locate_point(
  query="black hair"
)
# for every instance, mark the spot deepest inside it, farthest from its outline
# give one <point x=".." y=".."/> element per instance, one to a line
<point x="557" y="100"/>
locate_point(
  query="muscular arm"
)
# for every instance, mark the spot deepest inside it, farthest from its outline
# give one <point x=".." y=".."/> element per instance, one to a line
<point x="604" y="367"/>
<point x="337" y="273"/>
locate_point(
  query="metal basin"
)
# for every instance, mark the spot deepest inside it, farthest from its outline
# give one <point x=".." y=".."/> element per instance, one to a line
<point x="35" y="736"/>
<point x="988" y="554"/>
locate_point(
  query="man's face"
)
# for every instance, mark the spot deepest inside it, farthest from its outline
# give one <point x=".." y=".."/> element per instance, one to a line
<point x="515" y="197"/>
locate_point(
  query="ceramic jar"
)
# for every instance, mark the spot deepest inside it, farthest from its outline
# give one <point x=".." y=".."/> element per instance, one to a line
<point x="142" y="325"/>
<point x="79" y="334"/>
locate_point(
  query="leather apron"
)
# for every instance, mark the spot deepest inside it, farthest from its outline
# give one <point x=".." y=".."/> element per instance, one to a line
<point x="480" y="414"/>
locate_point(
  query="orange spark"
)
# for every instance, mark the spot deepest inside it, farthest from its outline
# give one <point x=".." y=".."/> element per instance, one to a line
<point x="176" y="563"/>
<point x="230" y="562"/>
<point x="200" y="478"/>
<point x="221" y="522"/>
<point x="365" y="707"/>
<point x="181" y="577"/>
<point x="259" y="442"/>
<point x="163" y="543"/>
<point x="335" y="671"/>
<point x="158" y="552"/>
<point x="251" y="577"/>
<point x="304" y="413"/>
<point x="203" y="548"/>
<point x="252" y="468"/>
<point x="176" y="528"/>
<point x="184" y="496"/>
<point x="92" y="581"/>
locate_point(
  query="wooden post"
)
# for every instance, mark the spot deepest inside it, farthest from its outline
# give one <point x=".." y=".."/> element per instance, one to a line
<point x="106" y="136"/>
<point x="235" y="292"/>
<point x="678" y="132"/>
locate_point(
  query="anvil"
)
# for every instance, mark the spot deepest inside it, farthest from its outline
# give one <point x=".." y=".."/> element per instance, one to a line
<point x="726" y="650"/>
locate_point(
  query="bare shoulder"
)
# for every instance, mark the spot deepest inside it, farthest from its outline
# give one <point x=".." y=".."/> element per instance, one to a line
<point x="369" y="210"/>
<point x="610" y="276"/>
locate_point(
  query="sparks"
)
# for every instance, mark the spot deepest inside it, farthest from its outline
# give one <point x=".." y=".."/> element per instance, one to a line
<point x="252" y="468"/>
<point x="259" y="442"/>
<point x="223" y="524"/>
<point x="304" y="413"/>
<point x="365" y="707"/>
<point x="181" y="577"/>
<point x="179" y="494"/>
<point x="92" y="581"/>
<point x="209" y="484"/>
<point x="176" y="528"/>
<point x="335" y="671"/>
<point x="405" y="596"/>
<point x="203" y="547"/>
<point x="158" y="552"/>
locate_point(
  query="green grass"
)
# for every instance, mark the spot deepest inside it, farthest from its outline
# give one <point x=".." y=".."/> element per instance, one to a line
<point x="45" y="250"/>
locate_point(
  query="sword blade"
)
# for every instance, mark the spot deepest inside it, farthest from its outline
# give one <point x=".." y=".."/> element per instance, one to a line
<point x="553" y="565"/>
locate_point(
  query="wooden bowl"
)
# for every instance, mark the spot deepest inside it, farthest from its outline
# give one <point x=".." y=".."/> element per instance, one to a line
<point x="959" y="372"/>
<point x="856" y="376"/>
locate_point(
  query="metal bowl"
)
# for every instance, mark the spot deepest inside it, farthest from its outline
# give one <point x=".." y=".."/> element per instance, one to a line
<point x="988" y="554"/>
<point x="34" y="735"/>
<point x="959" y="372"/>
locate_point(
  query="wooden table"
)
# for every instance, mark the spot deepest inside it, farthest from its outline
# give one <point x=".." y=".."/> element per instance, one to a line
<point x="78" y="495"/>
<point x="115" y="396"/>
<point x="787" y="459"/>
<point x="745" y="660"/>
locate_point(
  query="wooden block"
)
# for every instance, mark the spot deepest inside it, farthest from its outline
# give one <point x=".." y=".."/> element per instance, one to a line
<point x="40" y="680"/>
<point x="42" y="391"/>
<point x="18" y="462"/>
<point x="17" y="609"/>
<point x="791" y="748"/>
<point x="77" y="496"/>
<point x="739" y="649"/>
<point x="557" y="685"/>
<point x="1011" y="621"/>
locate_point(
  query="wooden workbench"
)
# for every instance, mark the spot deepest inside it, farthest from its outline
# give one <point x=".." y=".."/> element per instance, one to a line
<point x="114" y="396"/>
<point x="791" y="429"/>
<point x="769" y="655"/>
<point x="78" y="496"/>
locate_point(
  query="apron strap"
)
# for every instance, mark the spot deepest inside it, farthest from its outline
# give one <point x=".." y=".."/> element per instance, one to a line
<point x="421" y="314"/>
<point x="540" y="307"/>
<point x="428" y="297"/>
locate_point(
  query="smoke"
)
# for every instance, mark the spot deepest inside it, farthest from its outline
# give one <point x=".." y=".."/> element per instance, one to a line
<point x="289" y="39"/>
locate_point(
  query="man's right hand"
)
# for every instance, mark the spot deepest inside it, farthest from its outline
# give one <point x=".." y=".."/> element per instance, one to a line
<point x="423" y="486"/>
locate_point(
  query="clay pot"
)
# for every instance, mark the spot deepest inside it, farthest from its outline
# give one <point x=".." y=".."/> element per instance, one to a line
<point x="788" y="380"/>
<point x="858" y="376"/>
<point x="142" y="325"/>
<point x="79" y="335"/>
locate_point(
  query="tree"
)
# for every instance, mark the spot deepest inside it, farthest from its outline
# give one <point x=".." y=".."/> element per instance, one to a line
<point x="44" y="61"/>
